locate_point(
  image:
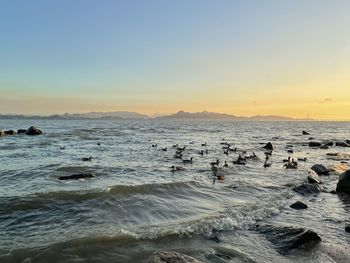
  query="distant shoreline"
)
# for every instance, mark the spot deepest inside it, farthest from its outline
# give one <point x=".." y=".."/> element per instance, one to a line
<point x="180" y="115"/>
<point x="162" y="119"/>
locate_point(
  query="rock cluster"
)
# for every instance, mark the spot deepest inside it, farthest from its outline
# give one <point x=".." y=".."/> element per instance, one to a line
<point x="30" y="131"/>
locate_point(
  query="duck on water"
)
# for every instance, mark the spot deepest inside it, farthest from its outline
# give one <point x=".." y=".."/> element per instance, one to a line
<point x="177" y="168"/>
<point x="76" y="176"/>
<point x="188" y="160"/>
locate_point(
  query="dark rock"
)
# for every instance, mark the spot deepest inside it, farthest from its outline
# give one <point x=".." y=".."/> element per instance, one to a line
<point x="286" y="238"/>
<point x="214" y="238"/>
<point x="306" y="189"/>
<point x="298" y="205"/>
<point x="330" y="143"/>
<point x="342" y="144"/>
<point x="347" y="228"/>
<point x="10" y="132"/>
<point x="332" y="154"/>
<point x="76" y="176"/>
<point x="171" y="257"/>
<point x="33" y="131"/>
<point x="21" y="131"/>
<point x="320" y="169"/>
<point x="343" y="185"/>
<point x="268" y="146"/>
<point x="311" y="138"/>
<point x="324" y="147"/>
<point x="306" y="133"/>
<point x="302" y="159"/>
<point x="290" y="151"/>
<point x="314" y="144"/>
<point x="347" y="141"/>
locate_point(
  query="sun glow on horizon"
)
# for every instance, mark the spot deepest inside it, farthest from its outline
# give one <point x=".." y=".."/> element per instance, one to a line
<point x="259" y="58"/>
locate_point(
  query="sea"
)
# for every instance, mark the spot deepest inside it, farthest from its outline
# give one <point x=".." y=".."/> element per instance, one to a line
<point x="135" y="205"/>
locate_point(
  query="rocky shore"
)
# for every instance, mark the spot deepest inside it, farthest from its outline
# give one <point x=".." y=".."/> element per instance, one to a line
<point x="30" y="131"/>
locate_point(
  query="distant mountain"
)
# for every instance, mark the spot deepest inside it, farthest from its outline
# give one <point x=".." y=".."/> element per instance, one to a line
<point x="120" y="114"/>
<point x="88" y="115"/>
<point x="220" y="116"/>
<point x="198" y="115"/>
<point x="270" y="118"/>
<point x="204" y="115"/>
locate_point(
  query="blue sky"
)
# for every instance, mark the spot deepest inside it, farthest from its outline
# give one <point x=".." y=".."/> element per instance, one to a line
<point x="161" y="56"/>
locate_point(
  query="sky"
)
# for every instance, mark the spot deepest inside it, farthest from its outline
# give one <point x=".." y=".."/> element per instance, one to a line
<point x="289" y="58"/>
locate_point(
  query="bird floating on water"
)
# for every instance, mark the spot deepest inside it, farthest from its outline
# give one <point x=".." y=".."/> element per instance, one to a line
<point x="176" y="168"/>
<point x="188" y="160"/>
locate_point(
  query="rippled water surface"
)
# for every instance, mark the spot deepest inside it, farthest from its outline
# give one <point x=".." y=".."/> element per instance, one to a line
<point x="135" y="205"/>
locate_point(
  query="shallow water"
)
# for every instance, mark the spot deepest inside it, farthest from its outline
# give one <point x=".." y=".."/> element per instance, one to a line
<point x="135" y="205"/>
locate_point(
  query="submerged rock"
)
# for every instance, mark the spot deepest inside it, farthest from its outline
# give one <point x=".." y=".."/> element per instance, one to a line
<point x="10" y="132"/>
<point x="21" y="131"/>
<point x="76" y="176"/>
<point x="298" y="205"/>
<point x="320" y="169"/>
<point x="171" y="257"/>
<point x="332" y="154"/>
<point x="306" y="189"/>
<point x="342" y="144"/>
<point x="33" y="131"/>
<point x="306" y="133"/>
<point x="329" y="143"/>
<point x="214" y="238"/>
<point x="314" y="144"/>
<point x="268" y="146"/>
<point x="343" y="185"/>
<point x="324" y="147"/>
<point x="347" y="228"/>
<point x="286" y="238"/>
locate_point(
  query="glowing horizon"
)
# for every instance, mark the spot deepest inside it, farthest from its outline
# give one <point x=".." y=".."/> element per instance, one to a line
<point x="242" y="58"/>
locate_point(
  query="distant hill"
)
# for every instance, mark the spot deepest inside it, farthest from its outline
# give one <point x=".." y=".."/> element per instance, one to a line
<point x="120" y="114"/>
<point x="204" y="115"/>
<point x="198" y="115"/>
<point x="220" y="116"/>
<point x="88" y="115"/>
<point x="271" y="118"/>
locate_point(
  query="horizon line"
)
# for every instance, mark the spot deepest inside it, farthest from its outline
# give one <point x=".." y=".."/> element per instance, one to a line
<point x="162" y="115"/>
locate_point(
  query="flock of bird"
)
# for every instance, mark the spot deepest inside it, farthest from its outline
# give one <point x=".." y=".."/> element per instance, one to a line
<point x="241" y="159"/>
<point x="226" y="147"/>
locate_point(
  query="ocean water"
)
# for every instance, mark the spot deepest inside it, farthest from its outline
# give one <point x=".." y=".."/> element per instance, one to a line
<point x="135" y="205"/>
